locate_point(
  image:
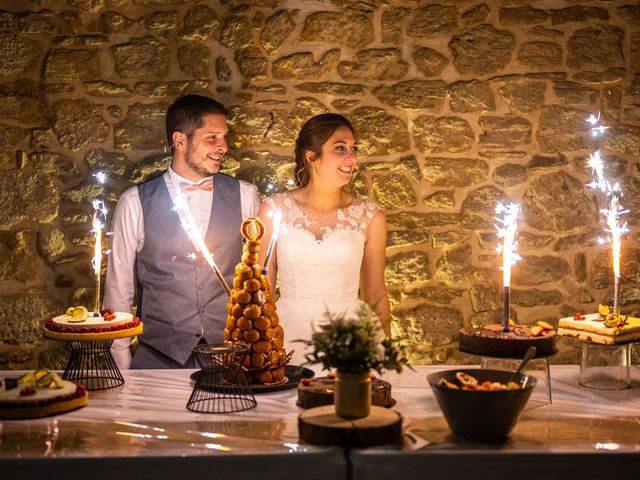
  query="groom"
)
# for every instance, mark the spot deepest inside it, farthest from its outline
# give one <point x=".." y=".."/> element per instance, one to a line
<point x="180" y="301"/>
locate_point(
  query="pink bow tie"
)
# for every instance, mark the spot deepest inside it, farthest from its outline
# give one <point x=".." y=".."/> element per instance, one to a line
<point x="204" y="185"/>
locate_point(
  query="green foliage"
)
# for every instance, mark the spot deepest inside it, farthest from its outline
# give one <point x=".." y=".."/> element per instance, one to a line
<point x="354" y="345"/>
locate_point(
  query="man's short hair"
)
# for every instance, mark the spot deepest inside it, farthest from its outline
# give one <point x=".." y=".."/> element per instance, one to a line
<point x="185" y="114"/>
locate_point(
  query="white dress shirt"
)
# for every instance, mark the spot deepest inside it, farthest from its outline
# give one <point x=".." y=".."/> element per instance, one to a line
<point x="127" y="240"/>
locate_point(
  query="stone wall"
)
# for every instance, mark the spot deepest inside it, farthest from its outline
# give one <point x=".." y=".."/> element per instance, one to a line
<point x="458" y="104"/>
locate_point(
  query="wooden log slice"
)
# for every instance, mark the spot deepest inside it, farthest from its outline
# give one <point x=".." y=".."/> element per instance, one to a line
<point x="321" y="426"/>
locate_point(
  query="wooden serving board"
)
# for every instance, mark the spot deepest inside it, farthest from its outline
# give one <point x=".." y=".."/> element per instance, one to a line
<point x="321" y="426"/>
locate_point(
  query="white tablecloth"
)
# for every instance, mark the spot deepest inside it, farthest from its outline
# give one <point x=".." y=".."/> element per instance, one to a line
<point x="144" y="430"/>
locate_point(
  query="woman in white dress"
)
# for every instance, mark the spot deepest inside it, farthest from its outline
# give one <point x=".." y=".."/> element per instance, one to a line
<point x="331" y="245"/>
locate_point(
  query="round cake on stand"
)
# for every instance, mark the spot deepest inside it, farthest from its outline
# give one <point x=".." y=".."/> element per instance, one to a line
<point x="90" y="337"/>
<point x="503" y="350"/>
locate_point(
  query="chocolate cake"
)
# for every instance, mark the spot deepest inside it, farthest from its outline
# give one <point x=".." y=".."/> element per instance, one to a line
<point x="492" y="341"/>
<point x="319" y="391"/>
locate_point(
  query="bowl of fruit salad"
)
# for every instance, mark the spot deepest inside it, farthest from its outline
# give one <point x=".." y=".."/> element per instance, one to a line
<point x="481" y="404"/>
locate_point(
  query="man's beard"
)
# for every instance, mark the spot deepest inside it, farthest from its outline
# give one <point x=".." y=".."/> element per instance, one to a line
<point x="199" y="168"/>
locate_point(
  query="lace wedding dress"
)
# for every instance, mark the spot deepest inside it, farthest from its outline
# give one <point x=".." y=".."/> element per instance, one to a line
<point x="318" y="258"/>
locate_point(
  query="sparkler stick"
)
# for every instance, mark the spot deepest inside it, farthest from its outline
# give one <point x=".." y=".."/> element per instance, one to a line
<point x="191" y="229"/>
<point x="507" y="228"/>
<point x="277" y="217"/>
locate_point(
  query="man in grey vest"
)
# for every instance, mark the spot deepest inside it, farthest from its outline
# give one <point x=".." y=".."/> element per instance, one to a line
<point x="180" y="300"/>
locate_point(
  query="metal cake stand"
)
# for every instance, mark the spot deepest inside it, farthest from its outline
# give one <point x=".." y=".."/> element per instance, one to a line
<point x="92" y="365"/>
<point x="221" y="386"/>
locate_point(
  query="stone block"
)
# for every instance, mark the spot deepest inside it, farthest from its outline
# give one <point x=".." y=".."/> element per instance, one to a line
<point x="374" y="64"/>
<point x="471" y="97"/>
<point x="540" y="55"/>
<point x="509" y="175"/>
<point x="302" y="65"/>
<point x="482" y="50"/>
<point x="77" y="123"/>
<point x="557" y="202"/>
<point x="428" y="61"/>
<point x="353" y="30"/>
<point x="276" y="29"/>
<point x="414" y="95"/>
<point x="237" y="32"/>
<point x="141" y="57"/>
<point x="195" y="60"/>
<point x="442" y="134"/>
<point x="142" y="129"/>
<point x="535" y="270"/>
<point x="597" y="46"/>
<point x="454" y="172"/>
<point x="393" y="191"/>
<point x="444" y="199"/>
<point x="201" y="23"/>
<point x="432" y="21"/>
<point x="407" y="267"/>
<point x="478" y="208"/>
<point x="506" y="131"/>
<point x="18" y="54"/>
<point x="430" y="324"/>
<point x="379" y="133"/>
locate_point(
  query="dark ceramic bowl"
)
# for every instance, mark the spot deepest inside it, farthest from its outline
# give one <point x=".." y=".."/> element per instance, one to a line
<point x="481" y="415"/>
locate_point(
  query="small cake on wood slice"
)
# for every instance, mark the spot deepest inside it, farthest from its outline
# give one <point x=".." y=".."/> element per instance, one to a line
<point x="604" y="327"/>
<point x="491" y="341"/>
<point x="39" y="394"/>
<point x="315" y="392"/>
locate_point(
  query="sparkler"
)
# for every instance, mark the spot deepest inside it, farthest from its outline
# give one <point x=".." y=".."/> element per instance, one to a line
<point x="191" y="229"/>
<point x="507" y="227"/>
<point x="277" y="217"/>
<point x="99" y="212"/>
<point x="614" y="210"/>
<point x="97" y="224"/>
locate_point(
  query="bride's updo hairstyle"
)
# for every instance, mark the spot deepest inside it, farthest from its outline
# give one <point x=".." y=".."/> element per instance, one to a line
<point x="313" y="134"/>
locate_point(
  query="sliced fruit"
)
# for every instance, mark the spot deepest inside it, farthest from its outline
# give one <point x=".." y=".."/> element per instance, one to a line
<point x="604" y="310"/>
<point x="26" y="378"/>
<point x="536" y="330"/>
<point x="512" y="323"/>
<point x="545" y="326"/>
<point x="79" y="314"/>
<point x="44" y="381"/>
<point x="56" y="381"/>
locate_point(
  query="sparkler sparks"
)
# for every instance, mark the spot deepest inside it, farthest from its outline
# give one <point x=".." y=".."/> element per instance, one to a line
<point x="99" y="216"/>
<point x="507" y="226"/>
<point x="192" y="231"/>
<point x="614" y="210"/>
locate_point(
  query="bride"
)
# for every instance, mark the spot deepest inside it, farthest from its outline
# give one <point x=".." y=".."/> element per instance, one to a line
<point x="331" y="243"/>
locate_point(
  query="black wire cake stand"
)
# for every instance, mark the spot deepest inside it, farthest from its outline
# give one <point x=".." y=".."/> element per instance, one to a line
<point x="92" y="365"/>
<point x="221" y="386"/>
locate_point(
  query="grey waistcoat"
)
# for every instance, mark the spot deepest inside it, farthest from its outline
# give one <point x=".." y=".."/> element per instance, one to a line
<point x="179" y="297"/>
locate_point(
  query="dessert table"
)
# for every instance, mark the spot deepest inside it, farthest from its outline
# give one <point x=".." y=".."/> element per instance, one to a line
<point x="142" y="429"/>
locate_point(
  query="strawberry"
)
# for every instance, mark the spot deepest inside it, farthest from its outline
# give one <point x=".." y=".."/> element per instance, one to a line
<point x="578" y="316"/>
